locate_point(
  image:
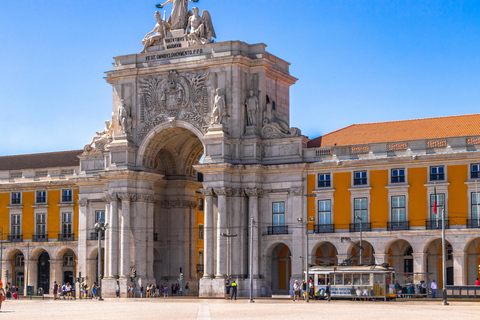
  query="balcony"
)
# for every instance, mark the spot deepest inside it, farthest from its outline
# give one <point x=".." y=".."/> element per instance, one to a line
<point x="436" y="224"/>
<point x="398" y="225"/>
<point x="15" y="238"/>
<point x="40" y="238"/>
<point x="277" y="230"/>
<point x="94" y="236"/>
<point x="66" y="237"/>
<point x="199" y="267"/>
<point x="364" y="226"/>
<point x="473" y="223"/>
<point x="323" y="228"/>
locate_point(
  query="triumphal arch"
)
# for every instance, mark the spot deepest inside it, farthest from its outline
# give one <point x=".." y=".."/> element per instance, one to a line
<point x="189" y="115"/>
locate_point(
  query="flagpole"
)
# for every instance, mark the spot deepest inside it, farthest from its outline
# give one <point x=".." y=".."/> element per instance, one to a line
<point x="444" y="260"/>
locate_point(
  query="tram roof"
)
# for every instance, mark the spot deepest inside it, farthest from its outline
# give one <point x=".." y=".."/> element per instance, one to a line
<point x="372" y="268"/>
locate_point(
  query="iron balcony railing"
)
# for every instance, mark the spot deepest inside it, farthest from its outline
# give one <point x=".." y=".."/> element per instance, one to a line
<point x="436" y="224"/>
<point x="15" y="238"/>
<point x="65" y="237"/>
<point x="277" y="230"/>
<point x="365" y="226"/>
<point x="473" y="223"/>
<point x="398" y="225"/>
<point x="324" y="228"/>
<point x="94" y="236"/>
<point x="40" y="237"/>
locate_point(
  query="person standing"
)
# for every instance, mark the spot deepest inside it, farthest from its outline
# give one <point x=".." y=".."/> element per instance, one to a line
<point x="94" y="290"/>
<point x="55" y="290"/>
<point x="296" y="291"/>
<point x="234" y="290"/>
<point x="227" y="289"/>
<point x="433" y="286"/>
<point x="328" y="292"/>
<point x="477" y="282"/>
<point x="186" y="289"/>
<point x="2" y="294"/>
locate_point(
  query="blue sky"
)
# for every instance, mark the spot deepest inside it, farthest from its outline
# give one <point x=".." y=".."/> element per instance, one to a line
<point x="356" y="60"/>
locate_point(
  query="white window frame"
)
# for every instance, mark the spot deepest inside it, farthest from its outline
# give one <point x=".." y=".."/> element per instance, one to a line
<point x="284" y="213"/>
<point x="367" y="200"/>
<point x="392" y="208"/>
<point x="36" y="197"/>
<point x="324" y="173"/>
<point x="15" y="213"/>
<point x="62" y="222"/>
<point x="470" y="170"/>
<point x="390" y="176"/>
<point x="201" y="231"/>
<point x="317" y="218"/>
<point x="37" y="213"/>
<point x="11" y="198"/>
<point x="367" y="173"/>
<point x="445" y="177"/>
<point x="61" y="195"/>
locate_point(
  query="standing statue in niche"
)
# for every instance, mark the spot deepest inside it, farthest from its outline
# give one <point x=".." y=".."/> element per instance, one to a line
<point x="157" y="34"/>
<point x="219" y="111"/>
<point x="124" y="117"/>
<point x="252" y="109"/>
<point x="200" y="28"/>
<point x="178" y="17"/>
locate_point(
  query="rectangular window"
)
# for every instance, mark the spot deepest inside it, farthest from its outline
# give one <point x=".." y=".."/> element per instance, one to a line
<point x="440" y="206"/>
<point x="41" y="227"/>
<point x="19" y="260"/>
<point x="41" y="197"/>
<point x="67" y="195"/>
<point x="398" y="209"/>
<point x="16" y="198"/>
<point x="68" y="260"/>
<point x="475" y="206"/>
<point x="475" y="171"/>
<point x="278" y="213"/>
<point x="324" y="212"/>
<point x="361" y="210"/>
<point x="398" y="175"/>
<point x="200" y="204"/>
<point x="324" y="180"/>
<point x="100" y="217"/>
<point x="437" y="173"/>
<point x="16" y="224"/>
<point x="67" y="227"/>
<point x="360" y="178"/>
<point x="200" y="232"/>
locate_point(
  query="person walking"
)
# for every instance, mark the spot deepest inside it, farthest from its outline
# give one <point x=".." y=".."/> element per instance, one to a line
<point x="304" y="290"/>
<point x="94" y="290"/>
<point x="328" y="292"/>
<point x="186" y="289"/>
<point x="234" y="290"/>
<point x="296" y="291"/>
<point x="433" y="286"/>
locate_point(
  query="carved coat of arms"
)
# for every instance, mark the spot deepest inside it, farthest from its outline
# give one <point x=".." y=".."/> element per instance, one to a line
<point x="183" y="97"/>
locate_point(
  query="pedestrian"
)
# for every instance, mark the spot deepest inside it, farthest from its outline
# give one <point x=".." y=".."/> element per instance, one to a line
<point x="304" y="290"/>
<point x="234" y="290"/>
<point x="2" y="294"/>
<point x="141" y="291"/>
<point x="148" y="291"/>
<point x="165" y="290"/>
<point x="55" y="290"/>
<point x="186" y="289"/>
<point x="227" y="289"/>
<point x="94" y="291"/>
<point x="328" y="291"/>
<point x="296" y="291"/>
<point x="477" y="283"/>
<point x="64" y="291"/>
<point x="69" y="291"/>
<point x="433" y="286"/>
<point x="311" y="289"/>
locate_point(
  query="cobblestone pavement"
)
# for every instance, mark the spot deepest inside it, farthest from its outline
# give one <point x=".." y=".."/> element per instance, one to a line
<point x="206" y="309"/>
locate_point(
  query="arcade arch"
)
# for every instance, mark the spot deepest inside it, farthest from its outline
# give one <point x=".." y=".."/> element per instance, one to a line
<point x="472" y="261"/>
<point x="434" y="268"/>
<point x="325" y="254"/>
<point x="281" y="269"/>
<point x="368" y="253"/>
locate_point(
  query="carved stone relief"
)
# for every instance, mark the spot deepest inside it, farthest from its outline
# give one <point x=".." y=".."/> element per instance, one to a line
<point x="276" y="125"/>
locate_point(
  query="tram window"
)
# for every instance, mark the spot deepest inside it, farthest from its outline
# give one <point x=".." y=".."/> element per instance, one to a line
<point x="347" y="279"/>
<point x="366" y="279"/>
<point x="356" y="279"/>
<point x="339" y="279"/>
<point x="321" y="279"/>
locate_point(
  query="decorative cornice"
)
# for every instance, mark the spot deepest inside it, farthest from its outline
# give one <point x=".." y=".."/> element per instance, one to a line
<point x="207" y="191"/>
<point x="223" y="191"/>
<point x="237" y="192"/>
<point x="130" y="197"/>
<point x="145" y="198"/>
<point x="298" y="191"/>
<point x="83" y="202"/>
<point x="254" y="192"/>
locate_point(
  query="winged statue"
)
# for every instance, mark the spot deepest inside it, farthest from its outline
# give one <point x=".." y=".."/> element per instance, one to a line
<point x="200" y="28"/>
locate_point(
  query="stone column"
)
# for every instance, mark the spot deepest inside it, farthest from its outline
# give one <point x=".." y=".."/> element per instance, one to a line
<point x="82" y="236"/>
<point x="222" y="193"/>
<point x="459" y="269"/>
<point x="32" y="274"/>
<point x="56" y="271"/>
<point x="7" y="266"/>
<point x="236" y="247"/>
<point x="381" y="258"/>
<point x="208" y="234"/>
<point x="420" y="267"/>
<point x="113" y="237"/>
<point x="125" y="231"/>
<point x="253" y="195"/>
<point x="299" y="237"/>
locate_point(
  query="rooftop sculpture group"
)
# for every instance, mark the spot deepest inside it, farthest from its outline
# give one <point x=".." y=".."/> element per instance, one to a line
<point x="182" y="26"/>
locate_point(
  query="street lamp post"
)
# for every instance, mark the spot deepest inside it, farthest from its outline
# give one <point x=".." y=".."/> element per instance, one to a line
<point x="230" y="252"/>
<point x="100" y="227"/>
<point x="306" y="258"/>
<point x="361" y="247"/>
<point x="444" y="260"/>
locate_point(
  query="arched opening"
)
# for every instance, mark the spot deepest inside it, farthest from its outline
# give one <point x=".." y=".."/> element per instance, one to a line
<point x="281" y="269"/>
<point x="473" y="261"/>
<point x="44" y="272"/>
<point x="69" y="266"/>
<point x="400" y="258"/>
<point x="434" y="262"/>
<point x="368" y="254"/>
<point x="172" y="150"/>
<point x="326" y="254"/>
<point x="16" y="272"/>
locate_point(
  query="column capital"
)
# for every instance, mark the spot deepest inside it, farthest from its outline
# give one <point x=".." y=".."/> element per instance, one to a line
<point x="297" y="191"/>
<point x="83" y="202"/>
<point x="131" y="197"/>
<point x="178" y="204"/>
<point x="223" y="191"/>
<point x="206" y="191"/>
<point x="237" y="192"/>
<point x="145" y="198"/>
<point x="254" y="192"/>
<point x="110" y="197"/>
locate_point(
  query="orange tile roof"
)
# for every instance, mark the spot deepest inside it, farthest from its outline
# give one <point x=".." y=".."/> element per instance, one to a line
<point x="40" y="160"/>
<point x="405" y="130"/>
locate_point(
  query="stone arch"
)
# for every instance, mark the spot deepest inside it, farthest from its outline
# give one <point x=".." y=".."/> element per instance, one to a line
<point x="472" y="252"/>
<point x="324" y="252"/>
<point x="386" y="246"/>
<point x="60" y="252"/>
<point x="399" y="256"/>
<point x="156" y="139"/>
<point x="433" y="250"/>
<point x="37" y="251"/>
<point x="12" y="252"/>
<point x="425" y="245"/>
<point x="368" y="254"/>
<point x="280" y="267"/>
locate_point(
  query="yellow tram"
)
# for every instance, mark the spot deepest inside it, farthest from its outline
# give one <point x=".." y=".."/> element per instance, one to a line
<point x="354" y="282"/>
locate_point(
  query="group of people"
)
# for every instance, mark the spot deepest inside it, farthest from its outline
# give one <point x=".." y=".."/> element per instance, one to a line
<point x="64" y="291"/>
<point x="9" y="291"/>
<point x="155" y="290"/>
<point x="302" y="291"/>
<point x="231" y="287"/>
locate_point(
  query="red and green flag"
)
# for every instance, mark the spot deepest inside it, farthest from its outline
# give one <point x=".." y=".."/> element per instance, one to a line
<point x="435" y="200"/>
